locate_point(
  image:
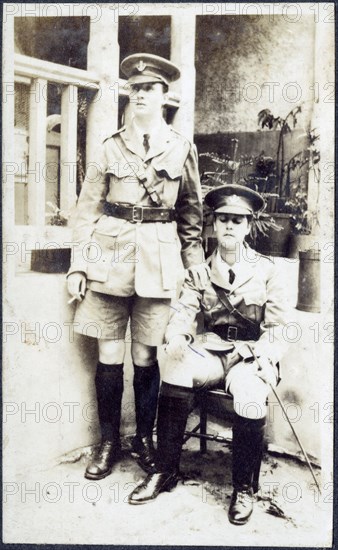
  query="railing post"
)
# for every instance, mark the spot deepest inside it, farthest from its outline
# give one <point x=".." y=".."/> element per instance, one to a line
<point x="68" y="156"/>
<point x="183" y="30"/>
<point x="37" y="168"/>
<point x="104" y="59"/>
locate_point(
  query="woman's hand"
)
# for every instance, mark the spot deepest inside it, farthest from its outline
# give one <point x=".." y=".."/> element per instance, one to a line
<point x="76" y="283"/>
<point x="177" y="347"/>
<point x="266" y="370"/>
<point x="200" y="274"/>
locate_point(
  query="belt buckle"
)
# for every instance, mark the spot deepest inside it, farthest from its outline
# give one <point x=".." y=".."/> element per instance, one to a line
<point x="137" y="214"/>
<point x="232" y="333"/>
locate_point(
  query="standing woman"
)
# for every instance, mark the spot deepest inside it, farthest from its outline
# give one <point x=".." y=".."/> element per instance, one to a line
<point x="244" y="309"/>
<point x="139" y="216"/>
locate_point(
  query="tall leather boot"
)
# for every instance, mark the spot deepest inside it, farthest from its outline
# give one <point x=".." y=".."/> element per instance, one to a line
<point x="146" y="385"/>
<point x="109" y="390"/>
<point x="247" y="452"/>
<point x="175" y="404"/>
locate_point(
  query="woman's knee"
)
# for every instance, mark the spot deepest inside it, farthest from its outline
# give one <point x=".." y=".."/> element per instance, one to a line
<point x="250" y="402"/>
<point x="142" y="355"/>
<point x="249" y="392"/>
<point x="250" y="398"/>
<point x="196" y="370"/>
<point x="176" y="373"/>
<point x="111" y="352"/>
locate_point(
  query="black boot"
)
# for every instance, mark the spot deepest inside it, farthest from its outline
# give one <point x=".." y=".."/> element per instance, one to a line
<point x="109" y="390"/>
<point x="146" y="386"/>
<point x="175" y="404"/>
<point x="247" y="452"/>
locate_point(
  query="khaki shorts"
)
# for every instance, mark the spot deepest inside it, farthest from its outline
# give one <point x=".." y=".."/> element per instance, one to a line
<point x="106" y="317"/>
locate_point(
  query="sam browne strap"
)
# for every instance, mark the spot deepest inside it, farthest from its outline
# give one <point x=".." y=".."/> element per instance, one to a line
<point x="140" y="175"/>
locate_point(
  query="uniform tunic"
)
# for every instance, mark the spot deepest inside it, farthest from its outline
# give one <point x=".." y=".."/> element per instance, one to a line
<point x="258" y="293"/>
<point x="123" y="258"/>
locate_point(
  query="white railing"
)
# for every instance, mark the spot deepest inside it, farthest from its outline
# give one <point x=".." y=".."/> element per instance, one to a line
<point x="36" y="74"/>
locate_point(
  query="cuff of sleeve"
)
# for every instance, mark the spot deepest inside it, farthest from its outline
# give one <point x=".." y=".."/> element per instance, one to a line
<point x="188" y="337"/>
<point x="244" y="351"/>
<point x="76" y="269"/>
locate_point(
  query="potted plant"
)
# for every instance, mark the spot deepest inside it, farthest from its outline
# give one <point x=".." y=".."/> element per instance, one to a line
<point x="302" y="168"/>
<point x="264" y="180"/>
<point x="267" y="120"/>
<point x="278" y="244"/>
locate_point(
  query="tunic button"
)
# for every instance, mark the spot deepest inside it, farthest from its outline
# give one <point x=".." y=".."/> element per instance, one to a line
<point x="145" y="165"/>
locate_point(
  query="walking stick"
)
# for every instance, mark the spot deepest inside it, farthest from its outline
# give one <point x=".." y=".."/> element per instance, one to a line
<point x="290" y="424"/>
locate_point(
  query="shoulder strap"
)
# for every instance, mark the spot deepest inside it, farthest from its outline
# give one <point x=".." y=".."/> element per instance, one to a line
<point x="231" y="309"/>
<point x="115" y="134"/>
<point x="141" y="176"/>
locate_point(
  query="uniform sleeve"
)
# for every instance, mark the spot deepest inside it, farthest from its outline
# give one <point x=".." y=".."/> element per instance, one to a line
<point x="184" y="312"/>
<point x="272" y="342"/>
<point x="189" y="214"/>
<point x="89" y="209"/>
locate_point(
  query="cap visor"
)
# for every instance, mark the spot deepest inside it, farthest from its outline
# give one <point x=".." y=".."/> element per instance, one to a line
<point x="143" y="79"/>
<point x="241" y="210"/>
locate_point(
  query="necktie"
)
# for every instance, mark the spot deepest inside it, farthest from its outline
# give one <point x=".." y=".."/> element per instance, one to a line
<point x="231" y="276"/>
<point x="146" y="142"/>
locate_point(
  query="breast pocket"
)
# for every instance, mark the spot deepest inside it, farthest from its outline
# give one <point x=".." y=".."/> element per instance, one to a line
<point x="253" y="306"/>
<point x="123" y="182"/>
<point x="168" y="176"/>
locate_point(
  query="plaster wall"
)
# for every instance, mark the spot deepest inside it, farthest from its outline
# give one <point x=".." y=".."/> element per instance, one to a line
<point x="48" y="378"/>
<point x="249" y="63"/>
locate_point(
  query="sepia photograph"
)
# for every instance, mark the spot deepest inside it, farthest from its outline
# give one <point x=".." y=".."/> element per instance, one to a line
<point x="170" y="165"/>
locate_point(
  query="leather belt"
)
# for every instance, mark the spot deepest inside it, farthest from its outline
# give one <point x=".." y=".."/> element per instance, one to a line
<point x="232" y="333"/>
<point x="137" y="213"/>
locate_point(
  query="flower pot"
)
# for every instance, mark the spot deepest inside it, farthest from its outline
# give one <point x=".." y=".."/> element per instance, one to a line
<point x="276" y="243"/>
<point x="309" y="281"/>
<point x="271" y="203"/>
<point x="300" y="243"/>
<point x="51" y="260"/>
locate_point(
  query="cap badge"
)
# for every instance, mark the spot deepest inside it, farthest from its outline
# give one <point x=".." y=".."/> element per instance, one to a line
<point x="234" y="199"/>
<point x="141" y="66"/>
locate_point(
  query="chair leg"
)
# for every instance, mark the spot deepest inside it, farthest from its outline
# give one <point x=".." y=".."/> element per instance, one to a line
<point x="203" y="425"/>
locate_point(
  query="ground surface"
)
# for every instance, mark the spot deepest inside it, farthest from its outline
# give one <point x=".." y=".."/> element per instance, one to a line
<point x="58" y="505"/>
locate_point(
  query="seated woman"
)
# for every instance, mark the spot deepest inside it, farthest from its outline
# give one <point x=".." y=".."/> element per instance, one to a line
<point x="244" y="313"/>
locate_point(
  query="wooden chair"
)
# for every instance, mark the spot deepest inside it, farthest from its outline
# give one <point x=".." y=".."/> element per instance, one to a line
<point x="200" y="430"/>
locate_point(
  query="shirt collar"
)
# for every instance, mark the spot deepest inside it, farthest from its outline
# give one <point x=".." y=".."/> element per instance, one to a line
<point x="224" y="267"/>
<point x="152" y="134"/>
